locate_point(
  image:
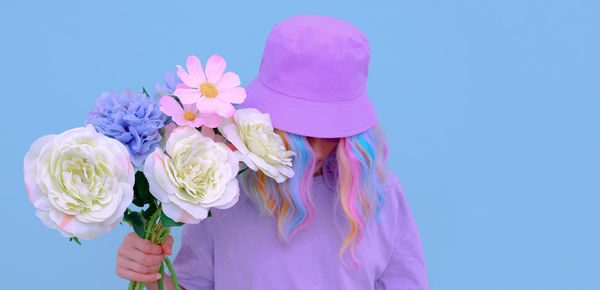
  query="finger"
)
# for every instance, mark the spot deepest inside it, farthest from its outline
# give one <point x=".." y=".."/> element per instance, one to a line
<point x="146" y="246"/>
<point x="167" y="245"/>
<point x="123" y="262"/>
<point x="131" y="238"/>
<point x="135" y="276"/>
<point x="142" y="258"/>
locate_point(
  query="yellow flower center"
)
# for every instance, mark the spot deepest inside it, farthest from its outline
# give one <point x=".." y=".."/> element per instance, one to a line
<point x="209" y="90"/>
<point x="189" y="116"/>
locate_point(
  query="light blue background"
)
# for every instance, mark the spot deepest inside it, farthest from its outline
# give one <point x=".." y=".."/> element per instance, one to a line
<point x="491" y="108"/>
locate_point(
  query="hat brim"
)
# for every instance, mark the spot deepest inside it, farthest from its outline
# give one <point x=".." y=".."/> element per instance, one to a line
<point x="327" y="119"/>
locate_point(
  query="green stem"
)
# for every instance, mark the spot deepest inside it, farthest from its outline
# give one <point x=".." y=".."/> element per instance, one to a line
<point x="162" y="275"/>
<point x="156" y="233"/>
<point x="153" y="232"/>
<point x="173" y="275"/>
<point x="152" y="223"/>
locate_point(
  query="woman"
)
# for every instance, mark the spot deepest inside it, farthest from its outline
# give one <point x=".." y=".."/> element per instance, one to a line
<point x="342" y="222"/>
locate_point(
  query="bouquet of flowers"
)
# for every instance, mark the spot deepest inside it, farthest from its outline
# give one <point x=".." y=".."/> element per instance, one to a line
<point x="173" y="158"/>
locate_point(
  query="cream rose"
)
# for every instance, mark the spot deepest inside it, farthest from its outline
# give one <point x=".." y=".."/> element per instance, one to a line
<point x="80" y="181"/>
<point x="259" y="147"/>
<point x="195" y="175"/>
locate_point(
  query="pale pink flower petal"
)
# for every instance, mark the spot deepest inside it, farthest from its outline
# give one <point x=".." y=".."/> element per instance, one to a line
<point x="188" y="96"/>
<point x="194" y="67"/>
<point x="225" y="109"/>
<point x="185" y="77"/>
<point x="227" y="85"/>
<point x="215" y="67"/>
<point x="235" y="95"/>
<point x="190" y="108"/>
<point x="169" y="106"/>
<point x="196" y="123"/>
<point x="207" y="105"/>
<point x="180" y="120"/>
<point x="228" y="80"/>
<point x="211" y="120"/>
<point x="182" y="86"/>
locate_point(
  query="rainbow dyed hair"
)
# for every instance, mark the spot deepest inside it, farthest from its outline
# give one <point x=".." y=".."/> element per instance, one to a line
<point x="358" y="165"/>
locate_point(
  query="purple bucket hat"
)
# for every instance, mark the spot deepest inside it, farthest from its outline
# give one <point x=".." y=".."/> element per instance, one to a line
<point x="313" y="77"/>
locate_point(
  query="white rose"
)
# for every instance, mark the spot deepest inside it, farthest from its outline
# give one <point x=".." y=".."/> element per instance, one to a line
<point x="80" y="181"/>
<point x="259" y="147"/>
<point x="195" y="175"/>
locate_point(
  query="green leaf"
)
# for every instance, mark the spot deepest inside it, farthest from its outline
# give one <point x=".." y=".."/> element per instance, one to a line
<point x="137" y="201"/>
<point x="147" y="213"/>
<point x="145" y="92"/>
<point x="209" y="214"/>
<point x="141" y="190"/>
<point x="75" y="239"/>
<point x="168" y="222"/>
<point x="137" y="221"/>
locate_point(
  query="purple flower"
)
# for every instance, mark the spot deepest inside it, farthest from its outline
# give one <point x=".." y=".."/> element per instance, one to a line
<point x="132" y="118"/>
<point x="171" y="80"/>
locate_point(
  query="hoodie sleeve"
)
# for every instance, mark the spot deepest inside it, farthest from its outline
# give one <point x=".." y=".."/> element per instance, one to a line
<point x="406" y="268"/>
<point x="194" y="261"/>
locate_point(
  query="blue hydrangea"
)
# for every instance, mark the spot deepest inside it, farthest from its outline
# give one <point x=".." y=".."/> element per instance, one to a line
<point x="132" y="118"/>
<point x="171" y="80"/>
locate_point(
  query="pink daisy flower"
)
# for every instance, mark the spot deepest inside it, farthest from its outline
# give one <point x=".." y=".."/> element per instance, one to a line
<point x="189" y="115"/>
<point x="213" y="92"/>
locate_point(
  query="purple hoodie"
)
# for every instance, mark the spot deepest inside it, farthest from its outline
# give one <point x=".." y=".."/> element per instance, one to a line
<point x="238" y="249"/>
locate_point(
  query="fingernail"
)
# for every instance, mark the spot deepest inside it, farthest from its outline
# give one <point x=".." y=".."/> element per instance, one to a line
<point x="158" y="276"/>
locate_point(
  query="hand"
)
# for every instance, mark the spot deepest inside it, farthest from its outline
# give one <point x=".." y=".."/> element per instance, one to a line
<point x="139" y="259"/>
